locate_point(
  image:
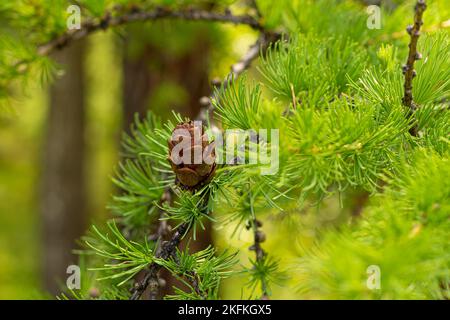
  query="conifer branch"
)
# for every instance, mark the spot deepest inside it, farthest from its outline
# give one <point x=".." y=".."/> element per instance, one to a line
<point x="258" y="238"/>
<point x="163" y="228"/>
<point x="193" y="279"/>
<point x="136" y="15"/>
<point x="161" y="232"/>
<point x="408" y="68"/>
<point x="167" y="250"/>
<point x="244" y="63"/>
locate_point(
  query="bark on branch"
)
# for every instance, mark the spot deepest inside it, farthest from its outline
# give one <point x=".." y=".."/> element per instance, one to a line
<point x="413" y="55"/>
<point x="136" y="15"/>
<point x="258" y="238"/>
<point x="167" y="250"/>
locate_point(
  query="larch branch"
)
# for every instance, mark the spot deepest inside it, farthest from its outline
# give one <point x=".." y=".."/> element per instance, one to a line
<point x="137" y="15"/>
<point x="413" y="55"/>
<point x="244" y="63"/>
<point x="258" y="238"/>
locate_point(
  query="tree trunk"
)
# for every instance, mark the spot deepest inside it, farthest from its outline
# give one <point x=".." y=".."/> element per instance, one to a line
<point x="189" y="71"/>
<point x="63" y="199"/>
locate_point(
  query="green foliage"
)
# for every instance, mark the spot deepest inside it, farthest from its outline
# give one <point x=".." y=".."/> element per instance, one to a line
<point x="141" y="190"/>
<point x="403" y="232"/>
<point x="144" y="174"/>
<point x="237" y="104"/>
<point x="123" y="259"/>
<point x="344" y="144"/>
<point x="431" y="84"/>
<point x="433" y="70"/>
<point x="312" y="69"/>
<point x="328" y="18"/>
<point x="380" y="87"/>
<point x="264" y="273"/>
<point x="190" y="209"/>
<point x="202" y="272"/>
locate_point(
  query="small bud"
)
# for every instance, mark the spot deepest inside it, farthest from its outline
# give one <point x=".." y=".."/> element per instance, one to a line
<point x="162" y="282"/>
<point x="153" y="285"/>
<point x="205" y="101"/>
<point x="164" y="244"/>
<point x="258" y="223"/>
<point x="414" y="73"/>
<point x="94" y="292"/>
<point x="252" y="248"/>
<point x="104" y="22"/>
<point x="418" y="56"/>
<point x="260" y="236"/>
<point x="405" y="68"/>
<point x="421" y="4"/>
<point x="409" y="29"/>
<point x="135" y="9"/>
<point x="216" y="82"/>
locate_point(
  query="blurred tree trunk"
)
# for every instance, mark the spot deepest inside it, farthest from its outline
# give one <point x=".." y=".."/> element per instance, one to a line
<point x="63" y="198"/>
<point x="142" y="78"/>
<point x="190" y="72"/>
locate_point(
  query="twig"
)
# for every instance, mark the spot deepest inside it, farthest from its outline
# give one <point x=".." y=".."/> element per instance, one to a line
<point x="408" y="68"/>
<point x="238" y="68"/>
<point x="137" y="15"/>
<point x="159" y="236"/>
<point x="193" y="279"/>
<point x="167" y="250"/>
<point x="163" y="228"/>
<point x="258" y="238"/>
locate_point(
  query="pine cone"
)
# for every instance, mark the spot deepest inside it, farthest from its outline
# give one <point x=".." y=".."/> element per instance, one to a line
<point x="193" y="170"/>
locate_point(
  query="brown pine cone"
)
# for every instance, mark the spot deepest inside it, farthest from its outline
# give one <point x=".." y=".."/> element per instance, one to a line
<point x="195" y="170"/>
